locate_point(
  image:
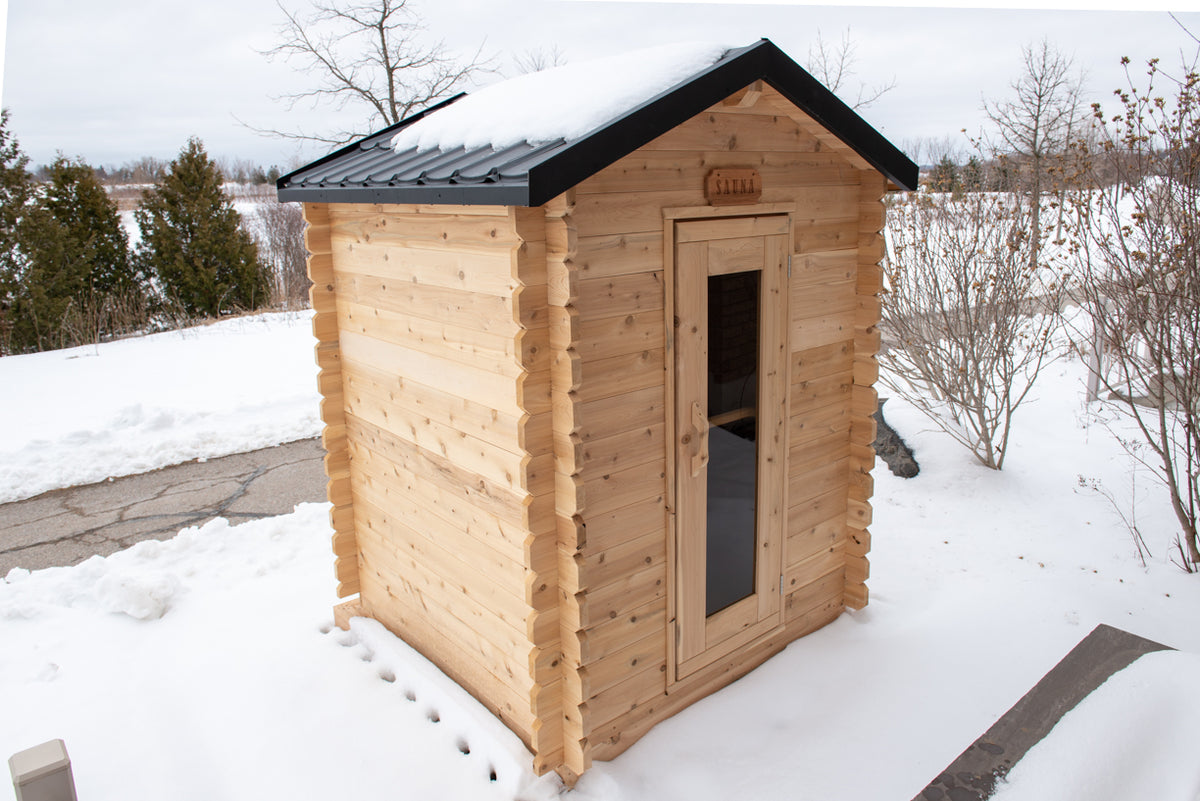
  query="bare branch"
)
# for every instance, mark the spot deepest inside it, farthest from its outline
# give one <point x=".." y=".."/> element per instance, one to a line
<point x="369" y="58"/>
<point x="1034" y="126"/>
<point x="1183" y="27"/>
<point x="967" y="324"/>
<point x="833" y="65"/>
<point x="539" y="59"/>
<point x="1142" y="290"/>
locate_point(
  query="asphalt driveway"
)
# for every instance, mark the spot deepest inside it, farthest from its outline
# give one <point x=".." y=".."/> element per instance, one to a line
<point x="66" y="526"/>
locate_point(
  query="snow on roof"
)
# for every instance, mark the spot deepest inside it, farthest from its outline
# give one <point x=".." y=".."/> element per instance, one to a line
<point x="561" y="103"/>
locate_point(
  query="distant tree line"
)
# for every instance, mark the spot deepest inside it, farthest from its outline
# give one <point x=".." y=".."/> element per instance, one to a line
<point x="150" y="170"/>
<point x="69" y="276"/>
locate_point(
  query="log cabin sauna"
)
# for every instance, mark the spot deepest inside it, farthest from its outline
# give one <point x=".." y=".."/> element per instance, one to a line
<point x="598" y="404"/>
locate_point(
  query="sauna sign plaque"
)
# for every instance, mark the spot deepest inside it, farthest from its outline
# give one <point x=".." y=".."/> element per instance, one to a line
<point x="732" y="187"/>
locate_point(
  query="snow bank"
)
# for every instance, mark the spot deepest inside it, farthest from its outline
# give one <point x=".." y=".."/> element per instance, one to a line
<point x="84" y="414"/>
<point x="1134" y="737"/>
<point x="207" y="667"/>
<point x="561" y="103"/>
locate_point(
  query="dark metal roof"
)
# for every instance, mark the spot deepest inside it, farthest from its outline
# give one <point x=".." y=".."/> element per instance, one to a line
<point x="370" y="171"/>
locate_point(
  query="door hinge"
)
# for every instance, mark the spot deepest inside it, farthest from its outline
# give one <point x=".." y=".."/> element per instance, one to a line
<point x="781" y="584"/>
<point x="789" y="265"/>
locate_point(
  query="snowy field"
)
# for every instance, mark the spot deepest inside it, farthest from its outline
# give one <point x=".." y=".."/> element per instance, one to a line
<point x="207" y="667"/>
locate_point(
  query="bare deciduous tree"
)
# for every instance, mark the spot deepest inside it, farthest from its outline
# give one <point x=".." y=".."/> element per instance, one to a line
<point x="832" y="63"/>
<point x="928" y="150"/>
<point x="539" y="59"/>
<point x="967" y="322"/>
<point x="372" y="56"/>
<point x="279" y="231"/>
<point x="1143" y="285"/>
<point x="1034" y="126"/>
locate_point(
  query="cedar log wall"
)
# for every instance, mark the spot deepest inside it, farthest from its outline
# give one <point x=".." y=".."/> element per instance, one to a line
<point x="610" y="407"/>
<point x="507" y="515"/>
<point x="446" y="526"/>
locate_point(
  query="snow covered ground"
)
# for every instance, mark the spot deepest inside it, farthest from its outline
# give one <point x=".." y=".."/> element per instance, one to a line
<point x="84" y="414"/>
<point x="207" y="667"/>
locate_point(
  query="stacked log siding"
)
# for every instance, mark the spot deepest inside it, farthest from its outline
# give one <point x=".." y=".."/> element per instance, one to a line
<point x="323" y="296"/>
<point x="444" y="360"/>
<point x="618" y="218"/>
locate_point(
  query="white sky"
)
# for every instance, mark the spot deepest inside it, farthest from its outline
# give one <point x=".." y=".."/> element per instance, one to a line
<point x="3" y="24"/>
<point x="113" y="81"/>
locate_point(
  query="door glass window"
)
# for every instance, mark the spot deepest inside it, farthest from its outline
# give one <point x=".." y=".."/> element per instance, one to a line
<point x="733" y="348"/>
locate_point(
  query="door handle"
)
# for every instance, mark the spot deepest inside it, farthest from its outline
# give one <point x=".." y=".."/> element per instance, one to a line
<point x="700" y="426"/>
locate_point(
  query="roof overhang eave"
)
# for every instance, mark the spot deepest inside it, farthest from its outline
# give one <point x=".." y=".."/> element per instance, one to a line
<point x="808" y="94"/>
<point x="443" y="194"/>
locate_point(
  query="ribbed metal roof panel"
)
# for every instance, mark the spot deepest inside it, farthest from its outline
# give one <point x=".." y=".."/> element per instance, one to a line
<point x="368" y="167"/>
<point x="525" y="174"/>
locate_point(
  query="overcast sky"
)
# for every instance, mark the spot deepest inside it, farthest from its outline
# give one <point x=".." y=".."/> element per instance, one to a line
<point x="114" y="80"/>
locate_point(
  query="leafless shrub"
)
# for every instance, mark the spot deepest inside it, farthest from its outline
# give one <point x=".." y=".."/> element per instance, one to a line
<point x="100" y="317"/>
<point x="168" y="314"/>
<point x="280" y="236"/>
<point x="967" y="321"/>
<point x="1143" y="286"/>
<point x="1095" y="486"/>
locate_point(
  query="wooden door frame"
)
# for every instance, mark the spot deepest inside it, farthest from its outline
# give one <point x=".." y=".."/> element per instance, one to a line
<point x="766" y="628"/>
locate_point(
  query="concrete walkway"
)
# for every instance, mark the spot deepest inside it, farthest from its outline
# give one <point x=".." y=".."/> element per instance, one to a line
<point x="976" y="773"/>
<point x="66" y="526"/>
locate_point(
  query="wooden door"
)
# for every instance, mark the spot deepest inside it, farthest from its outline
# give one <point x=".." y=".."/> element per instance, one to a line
<point x="730" y="407"/>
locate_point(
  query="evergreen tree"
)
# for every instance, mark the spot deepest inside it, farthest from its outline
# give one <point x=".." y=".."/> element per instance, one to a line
<point x="193" y="242"/>
<point x="972" y="175"/>
<point x="16" y="186"/>
<point x="944" y="176"/>
<point x="77" y="258"/>
<point x="89" y="220"/>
